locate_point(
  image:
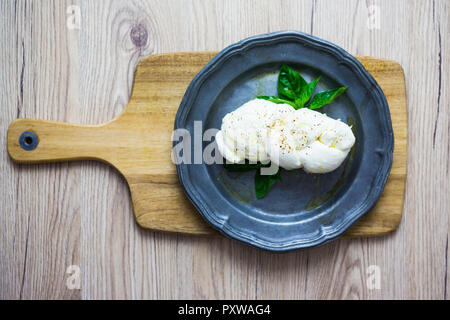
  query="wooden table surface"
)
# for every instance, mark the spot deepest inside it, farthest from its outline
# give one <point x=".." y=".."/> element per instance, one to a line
<point x="64" y="222"/>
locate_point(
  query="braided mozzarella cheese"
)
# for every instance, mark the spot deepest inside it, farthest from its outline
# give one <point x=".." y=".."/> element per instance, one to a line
<point x="261" y="130"/>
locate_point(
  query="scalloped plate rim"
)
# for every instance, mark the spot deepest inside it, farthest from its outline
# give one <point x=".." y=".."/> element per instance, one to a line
<point x="381" y="178"/>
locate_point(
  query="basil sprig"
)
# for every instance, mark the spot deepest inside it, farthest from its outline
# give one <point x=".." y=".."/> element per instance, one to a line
<point x="326" y="97"/>
<point x="290" y="83"/>
<point x="295" y="91"/>
<point x="306" y="94"/>
<point x="264" y="182"/>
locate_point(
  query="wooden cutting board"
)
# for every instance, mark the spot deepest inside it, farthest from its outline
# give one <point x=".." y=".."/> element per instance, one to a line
<point x="138" y="143"/>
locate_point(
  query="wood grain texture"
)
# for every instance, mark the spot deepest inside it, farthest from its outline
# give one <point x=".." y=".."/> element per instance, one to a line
<point x="80" y="213"/>
<point x="138" y="144"/>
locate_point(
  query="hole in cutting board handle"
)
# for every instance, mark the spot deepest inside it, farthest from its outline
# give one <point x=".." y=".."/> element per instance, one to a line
<point x="28" y="140"/>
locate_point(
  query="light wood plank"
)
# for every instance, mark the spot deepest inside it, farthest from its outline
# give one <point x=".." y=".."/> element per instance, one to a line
<point x="84" y="76"/>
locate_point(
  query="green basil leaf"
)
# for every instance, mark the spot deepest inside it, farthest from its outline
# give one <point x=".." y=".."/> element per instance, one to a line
<point x="290" y="83"/>
<point x="277" y="100"/>
<point x="306" y="94"/>
<point x="242" y="167"/>
<point x="263" y="183"/>
<point x="326" y="97"/>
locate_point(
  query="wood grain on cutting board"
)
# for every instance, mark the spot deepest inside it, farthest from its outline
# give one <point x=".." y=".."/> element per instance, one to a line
<point x="138" y="143"/>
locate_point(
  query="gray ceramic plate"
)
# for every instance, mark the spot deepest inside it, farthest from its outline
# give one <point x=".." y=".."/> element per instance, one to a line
<point x="305" y="209"/>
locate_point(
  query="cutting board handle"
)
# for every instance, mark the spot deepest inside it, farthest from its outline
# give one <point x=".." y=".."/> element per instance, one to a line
<point x="39" y="141"/>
